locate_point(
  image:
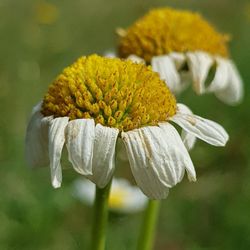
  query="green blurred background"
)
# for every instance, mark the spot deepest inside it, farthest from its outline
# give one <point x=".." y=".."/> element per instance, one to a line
<point x="38" y="39"/>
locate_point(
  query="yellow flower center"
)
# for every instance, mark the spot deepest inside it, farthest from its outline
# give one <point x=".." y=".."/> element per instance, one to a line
<point x="115" y="93"/>
<point x="117" y="198"/>
<point x="166" y="30"/>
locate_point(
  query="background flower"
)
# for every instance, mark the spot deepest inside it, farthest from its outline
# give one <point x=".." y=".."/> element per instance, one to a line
<point x="124" y="198"/>
<point x="177" y="43"/>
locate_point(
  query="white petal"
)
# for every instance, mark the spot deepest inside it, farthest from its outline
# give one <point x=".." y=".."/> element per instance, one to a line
<point x="187" y="138"/>
<point x="179" y="59"/>
<point x="36" y="141"/>
<point x="103" y="162"/>
<point x="221" y="76"/>
<point x="80" y="135"/>
<point x="121" y="154"/>
<point x="147" y="160"/>
<point x="158" y="159"/>
<point x="178" y="154"/>
<point x="233" y="91"/>
<point x="207" y="130"/>
<point x="135" y="59"/>
<point x="37" y="108"/>
<point x="199" y="64"/>
<point x="56" y="142"/>
<point x="166" y="68"/>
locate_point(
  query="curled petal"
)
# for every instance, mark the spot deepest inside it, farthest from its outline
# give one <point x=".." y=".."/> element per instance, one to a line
<point x="166" y="68"/>
<point x="80" y="135"/>
<point x="206" y="130"/>
<point x="179" y="59"/>
<point x="103" y="162"/>
<point x="221" y="76"/>
<point x="146" y="164"/>
<point x="187" y="138"/>
<point x="56" y="142"/>
<point x="36" y="140"/>
<point x="177" y="151"/>
<point x="157" y="160"/>
<point x="199" y="64"/>
<point x="232" y="93"/>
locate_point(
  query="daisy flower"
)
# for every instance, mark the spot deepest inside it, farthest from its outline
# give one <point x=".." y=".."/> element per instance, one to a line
<point x="97" y="101"/>
<point x="123" y="198"/>
<point x="181" y="45"/>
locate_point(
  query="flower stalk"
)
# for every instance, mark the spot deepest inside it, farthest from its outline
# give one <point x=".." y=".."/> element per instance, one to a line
<point x="100" y="217"/>
<point x="147" y="233"/>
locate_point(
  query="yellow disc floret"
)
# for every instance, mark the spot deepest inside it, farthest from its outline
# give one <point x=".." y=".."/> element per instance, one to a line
<point x="166" y="30"/>
<point x="114" y="92"/>
<point x="117" y="198"/>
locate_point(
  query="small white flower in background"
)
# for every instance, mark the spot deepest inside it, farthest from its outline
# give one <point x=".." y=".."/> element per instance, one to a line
<point x="123" y="197"/>
<point x="97" y="101"/>
<point x="182" y="46"/>
<point x="109" y="54"/>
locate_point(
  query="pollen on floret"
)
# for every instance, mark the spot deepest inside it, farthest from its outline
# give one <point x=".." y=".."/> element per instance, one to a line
<point x="166" y="30"/>
<point x="115" y="93"/>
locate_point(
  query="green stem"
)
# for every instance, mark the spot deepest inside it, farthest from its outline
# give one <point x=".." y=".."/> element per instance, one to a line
<point x="100" y="217"/>
<point x="147" y="233"/>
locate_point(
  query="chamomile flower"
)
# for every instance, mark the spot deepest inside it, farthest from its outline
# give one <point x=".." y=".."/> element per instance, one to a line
<point x="179" y="45"/>
<point x="97" y="101"/>
<point x="123" y="197"/>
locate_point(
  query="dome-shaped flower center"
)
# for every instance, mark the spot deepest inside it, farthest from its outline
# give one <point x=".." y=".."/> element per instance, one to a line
<point x="115" y="93"/>
<point x="166" y="30"/>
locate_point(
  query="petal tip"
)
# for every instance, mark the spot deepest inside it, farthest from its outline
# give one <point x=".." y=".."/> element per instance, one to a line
<point x="56" y="183"/>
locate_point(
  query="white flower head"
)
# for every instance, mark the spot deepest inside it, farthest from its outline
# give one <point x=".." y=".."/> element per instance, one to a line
<point x="123" y="198"/>
<point x="98" y="100"/>
<point x="182" y="46"/>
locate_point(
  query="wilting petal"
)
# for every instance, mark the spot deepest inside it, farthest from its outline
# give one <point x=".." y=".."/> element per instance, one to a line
<point x="158" y="159"/>
<point x="36" y="141"/>
<point x="56" y="142"/>
<point x="80" y="135"/>
<point x="147" y="161"/>
<point x="179" y="59"/>
<point x="166" y="68"/>
<point x="178" y="154"/>
<point x="199" y="64"/>
<point x="233" y="91"/>
<point x="221" y="76"/>
<point x="207" y="130"/>
<point x="187" y="138"/>
<point x="103" y="162"/>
